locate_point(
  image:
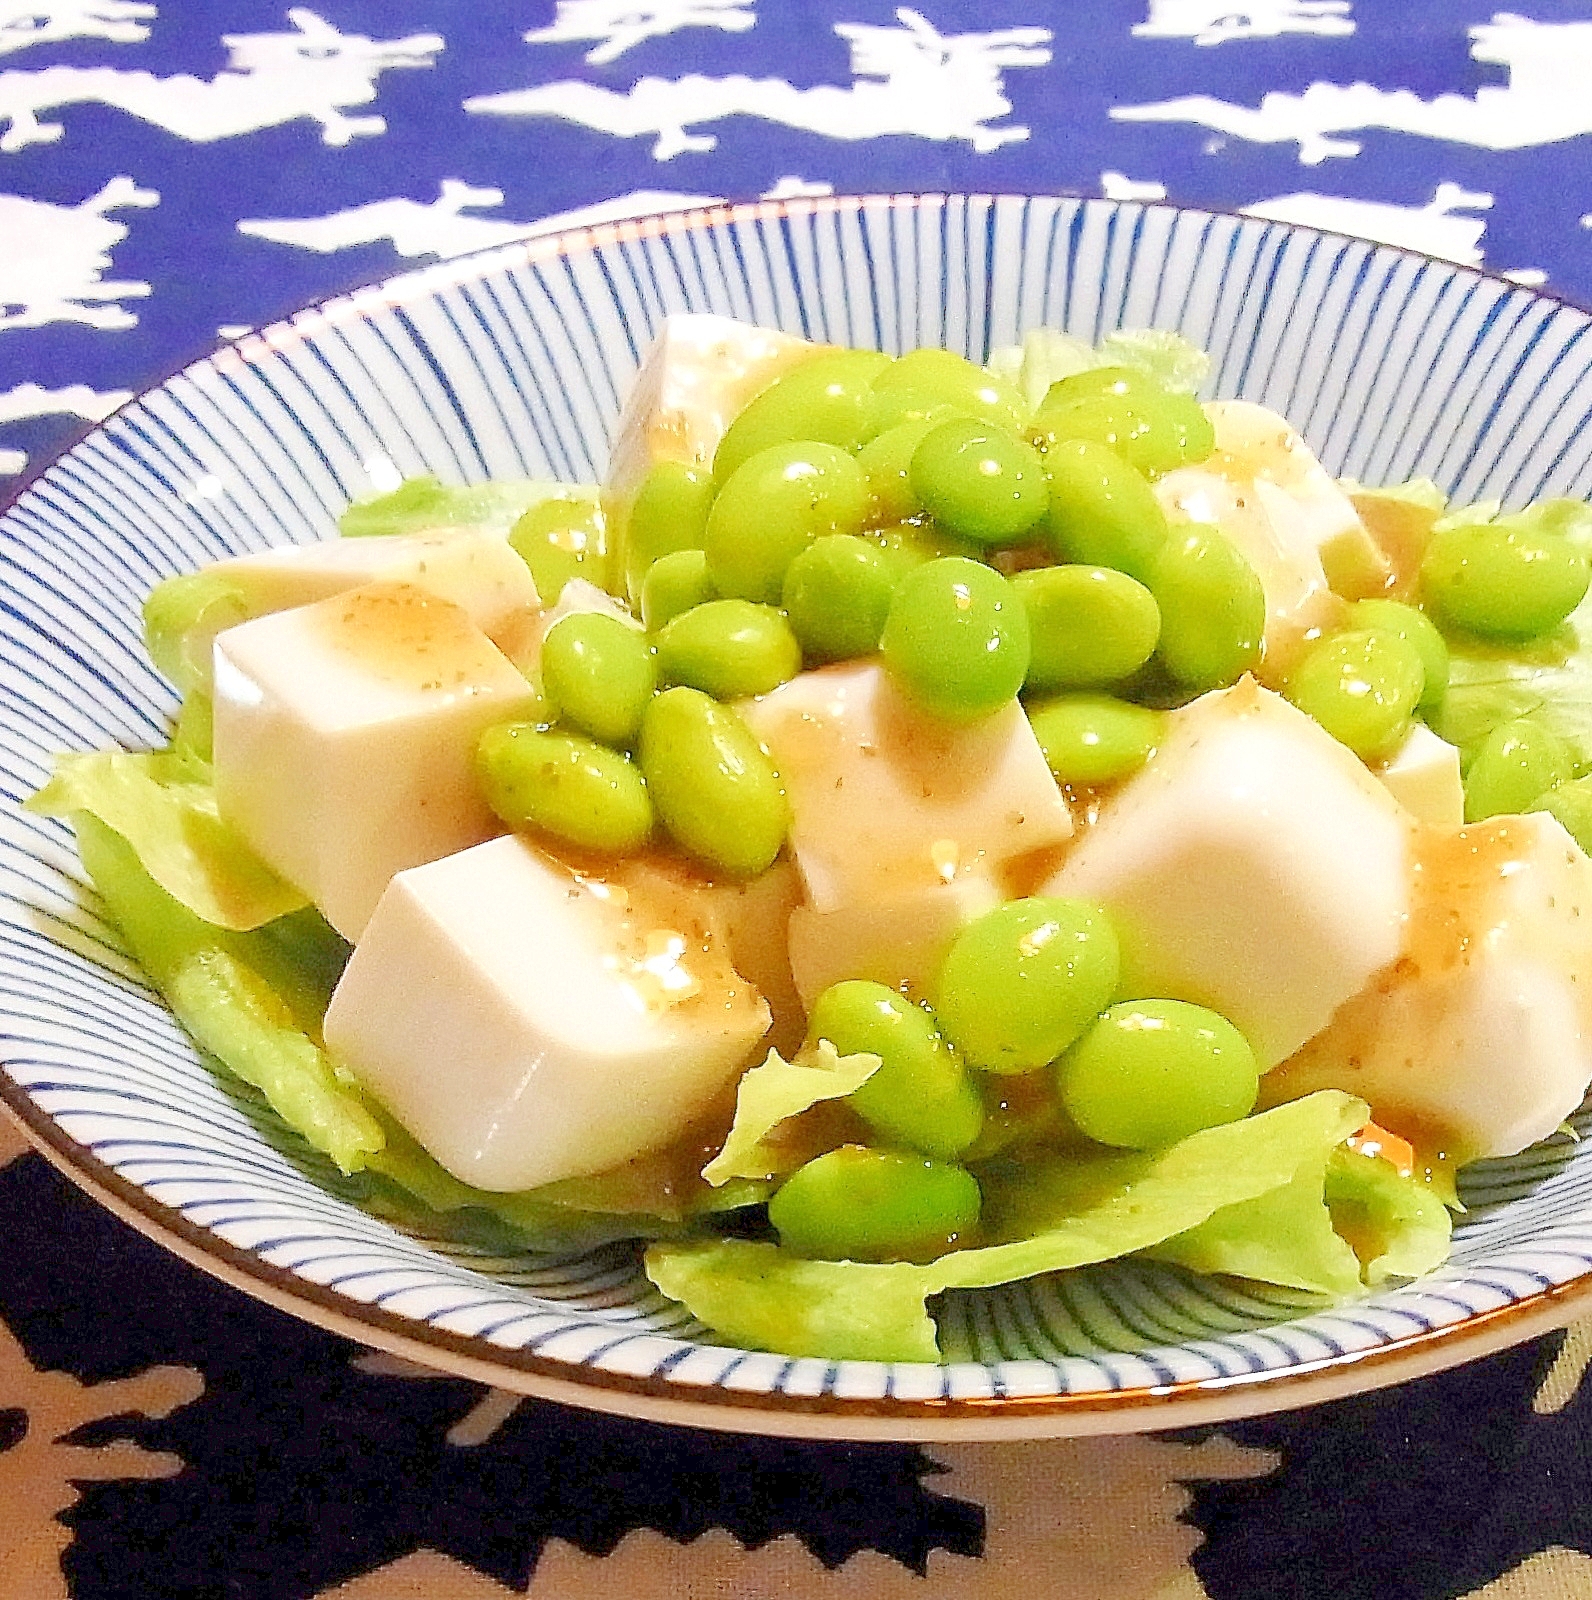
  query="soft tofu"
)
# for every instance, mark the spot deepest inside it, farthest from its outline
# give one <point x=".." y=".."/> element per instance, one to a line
<point x="1268" y="493"/>
<point x="1478" y="1041"/>
<point x="886" y="799"/>
<point x="526" y="1024"/>
<point x="699" y="374"/>
<point x="345" y="734"/>
<point x="477" y="570"/>
<point x="900" y="942"/>
<point x="1423" y="776"/>
<point x="1253" y="866"/>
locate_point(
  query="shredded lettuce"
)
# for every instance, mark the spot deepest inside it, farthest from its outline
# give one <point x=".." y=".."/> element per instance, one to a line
<point x="419" y="504"/>
<point x="770" y="1095"/>
<point x="1040" y="1216"/>
<point x="165" y="808"/>
<point x="1046" y="356"/>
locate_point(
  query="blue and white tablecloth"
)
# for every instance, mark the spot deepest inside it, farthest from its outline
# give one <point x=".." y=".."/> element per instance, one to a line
<point x="174" y="172"/>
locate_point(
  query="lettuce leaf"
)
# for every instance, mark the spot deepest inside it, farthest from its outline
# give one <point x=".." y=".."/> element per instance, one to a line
<point x="183" y="615"/>
<point x="1069" y="1212"/>
<point x="1398" y="1226"/>
<point x="771" y="1094"/>
<point x="421" y="503"/>
<point x="1046" y="356"/>
<point x="165" y="808"/>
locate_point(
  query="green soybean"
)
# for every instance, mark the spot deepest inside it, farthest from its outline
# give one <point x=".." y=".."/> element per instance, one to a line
<point x="909" y="544"/>
<point x="941" y="377"/>
<point x="1021" y="982"/>
<point x="729" y="648"/>
<point x="1213" y="609"/>
<point x="772" y="507"/>
<point x="598" y="674"/>
<point x="1362" y="686"/>
<point x="713" y="785"/>
<point x="886" y="462"/>
<point x="1102" y="512"/>
<point x="1087" y="626"/>
<point x="1417" y="629"/>
<point x="956" y="638"/>
<point x="1127" y="410"/>
<point x="1151" y="1072"/>
<point x="921" y="1094"/>
<point x="979" y="482"/>
<point x="1570" y="804"/>
<point x="1508" y="579"/>
<point x="560" y="783"/>
<point x="837" y="596"/>
<point x="669" y="513"/>
<point x="858" y="1204"/>
<point x="1513" y="767"/>
<point x="1093" y="739"/>
<point x="828" y="397"/>
<point x="562" y="538"/>
<point x="674" y="583"/>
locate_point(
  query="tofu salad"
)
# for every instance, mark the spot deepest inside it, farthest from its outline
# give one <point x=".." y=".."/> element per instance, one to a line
<point x="916" y="826"/>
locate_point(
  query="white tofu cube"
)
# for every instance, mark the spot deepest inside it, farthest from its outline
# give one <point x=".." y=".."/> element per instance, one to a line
<point x="1479" y="1041"/>
<point x="1423" y="776"/>
<point x="699" y="374"/>
<point x="900" y="942"/>
<point x="526" y="1024"/>
<point x="886" y="799"/>
<point x="1253" y="866"/>
<point x="345" y="735"/>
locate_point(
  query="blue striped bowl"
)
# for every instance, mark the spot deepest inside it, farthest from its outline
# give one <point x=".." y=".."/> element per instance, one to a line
<point x="513" y="364"/>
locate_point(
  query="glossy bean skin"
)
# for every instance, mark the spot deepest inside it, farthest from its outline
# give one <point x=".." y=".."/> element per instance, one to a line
<point x="598" y="675"/>
<point x="1213" y="609"/>
<point x="1092" y="739"/>
<point x="1413" y="625"/>
<point x="860" y="1204"/>
<point x="924" y="379"/>
<point x="712" y="784"/>
<point x="562" y="538"/>
<point x="1513" y="768"/>
<point x="1021" y="982"/>
<point x="956" y="639"/>
<point x="1151" y="1072"/>
<point x="729" y="649"/>
<point x="1087" y="626"/>
<point x="1508" y="579"/>
<point x="979" y="482"/>
<point x="886" y="462"/>
<point x="1153" y="428"/>
<point x="771" y="508"/>
<point x="828" y="398"/>
<point x="674" y="583"/>
<point x="921" y="1096"/>
<point x="837" y="595"/>
<point x="571" y="787"/>
<point x="1103" y="512"/>
<point x="669" y="513"/>
<point x="1362" y="686"/>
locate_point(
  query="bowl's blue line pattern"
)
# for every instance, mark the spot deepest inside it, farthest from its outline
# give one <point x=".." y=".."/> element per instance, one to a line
<point x="513" y="364"/>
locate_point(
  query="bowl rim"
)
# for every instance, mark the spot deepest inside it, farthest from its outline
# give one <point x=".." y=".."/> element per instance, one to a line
<point x="663" y="1398"/>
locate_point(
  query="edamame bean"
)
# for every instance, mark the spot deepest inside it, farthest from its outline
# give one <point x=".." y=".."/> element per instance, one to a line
<point x="1151" y="1072"/>
<point x="858" y="1204"/>
<point x="941" y="377"/>
<point x="1087" y="626"/>
<point x="1507" y="579"/>
<point x="1092" y="739"/>
<point x="1170" y="430"/>
<point x="729" y="648"/>
<point x="1513" y="767"/>
<point x="599" y="674"/>
<point x="772" y="507"/>
<point x="1418" y="629"/>
<point x="886" y="462"/>
<point x="559" y="539"/>
<point x="909" y="544"/>
<point x="837" y="595"/>
<point x="1571" y="805"/>
<point x="1362" y="686"/>
<point x="669" y="513"/>
<point x="571" y="787"/>
<point x="674" y="583"/>
<point x="1213" y="609"/>
<point x="922" y="1094"/>
<point x="956" y="639"/>
<point x="712" y="783"/>
<point x="828" y="397"/>
<point x="1021" y="982"/>
<point x="1103" y="512"/>
<point x="979" y="482"/>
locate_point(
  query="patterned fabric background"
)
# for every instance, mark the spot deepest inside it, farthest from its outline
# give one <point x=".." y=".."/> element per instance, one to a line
<point x="172" y="173"/>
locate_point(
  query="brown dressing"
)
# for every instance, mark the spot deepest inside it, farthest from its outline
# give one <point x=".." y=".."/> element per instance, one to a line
<point x="1402" y="530"/>
<point x="404" y="636"/>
